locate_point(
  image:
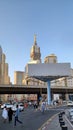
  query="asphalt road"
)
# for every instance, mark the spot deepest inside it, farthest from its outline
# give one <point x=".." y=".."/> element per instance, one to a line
<point x="32" y="119"/>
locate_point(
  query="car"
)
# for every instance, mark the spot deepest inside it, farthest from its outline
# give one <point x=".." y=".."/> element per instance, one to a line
<point x="69" y="103"/>
<point x="20" y="106"/>
<point x="71" y="114"/>
<point x="8" y="105"/>
<point x="14" y="108"/>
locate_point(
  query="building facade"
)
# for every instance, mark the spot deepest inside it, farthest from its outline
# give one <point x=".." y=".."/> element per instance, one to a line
<point x="18" y="77"/>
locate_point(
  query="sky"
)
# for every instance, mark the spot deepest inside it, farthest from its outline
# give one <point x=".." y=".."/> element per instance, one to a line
<point x="50" y="20"/>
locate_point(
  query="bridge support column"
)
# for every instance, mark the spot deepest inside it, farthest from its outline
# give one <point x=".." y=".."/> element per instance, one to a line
<point x="48" y="92"/>
<point x="39" y="97"/>
<point x="66" y="96"/>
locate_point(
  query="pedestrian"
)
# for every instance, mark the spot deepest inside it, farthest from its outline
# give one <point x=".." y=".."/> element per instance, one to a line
<point x="5" y="114"/>
<point x="43" y="107"/>
<point x="16" y="116"/>
<point x="10" y="113"/>
<point x="35" y="104"/>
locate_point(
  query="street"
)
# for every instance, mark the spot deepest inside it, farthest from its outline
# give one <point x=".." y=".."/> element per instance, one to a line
<point x="32" y="119"/>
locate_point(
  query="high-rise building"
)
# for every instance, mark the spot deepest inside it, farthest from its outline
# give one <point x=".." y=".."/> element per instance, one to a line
<point x="35" y="58"/>
<point x="35" y="55"/>
<point x="18" y="77"/>
<point x="4" y="78"/>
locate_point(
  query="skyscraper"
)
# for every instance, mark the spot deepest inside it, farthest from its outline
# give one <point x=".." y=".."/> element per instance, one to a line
<point x="4" y="78"/>
<point x="35" y="55"/>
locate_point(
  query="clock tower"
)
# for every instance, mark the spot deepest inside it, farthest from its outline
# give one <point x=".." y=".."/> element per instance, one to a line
<point x="35" y="54"/>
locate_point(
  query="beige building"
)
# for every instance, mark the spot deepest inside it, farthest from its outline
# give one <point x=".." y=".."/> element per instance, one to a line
<point x="4" y="77"/>
<point x="52" y="58"/>
<point x="61" y="82"/>
<point x="18" y="77"/>
<point x="35" y="58"/>
<point x="68" y="81"/>
<point x="21" y="78"/>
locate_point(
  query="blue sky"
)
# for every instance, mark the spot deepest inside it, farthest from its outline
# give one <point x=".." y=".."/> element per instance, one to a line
<point x="50" y="20"/>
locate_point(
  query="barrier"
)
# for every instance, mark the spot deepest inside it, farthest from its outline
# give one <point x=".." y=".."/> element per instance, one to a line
<point x="60" y="119"/>
<point x="62" y="123"/>
<point x="64" y="127"/>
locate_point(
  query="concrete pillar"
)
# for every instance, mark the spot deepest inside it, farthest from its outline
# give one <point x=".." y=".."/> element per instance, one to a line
<point x="48" y="92"/>
<point x="66" y="96"/>
<point x="39" y="97"/>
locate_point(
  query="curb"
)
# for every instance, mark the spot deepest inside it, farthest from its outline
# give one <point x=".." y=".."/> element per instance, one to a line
<point x="44" y="126"/>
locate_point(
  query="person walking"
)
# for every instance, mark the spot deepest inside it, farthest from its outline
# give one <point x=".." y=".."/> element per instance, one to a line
<point x="16" y="116"/>
<point x="5" y="114"/>
<point x="43" y="107"/>
<point x="10" y="113"/>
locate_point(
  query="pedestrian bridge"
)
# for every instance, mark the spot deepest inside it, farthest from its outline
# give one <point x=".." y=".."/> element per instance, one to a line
<point x="30" y="89"/>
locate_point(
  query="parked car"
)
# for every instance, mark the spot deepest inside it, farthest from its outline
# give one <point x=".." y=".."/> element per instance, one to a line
<point x="69" y="103"/>
<point x="20" y="106"/>
<point x="71" y="114"/>
<point x="8" y="105"/>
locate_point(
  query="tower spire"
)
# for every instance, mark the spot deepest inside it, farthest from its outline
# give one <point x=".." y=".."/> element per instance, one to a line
<point x="35" y="43"/>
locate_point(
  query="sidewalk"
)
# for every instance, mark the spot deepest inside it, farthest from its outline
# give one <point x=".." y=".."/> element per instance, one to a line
<point x="53" y="123"/>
